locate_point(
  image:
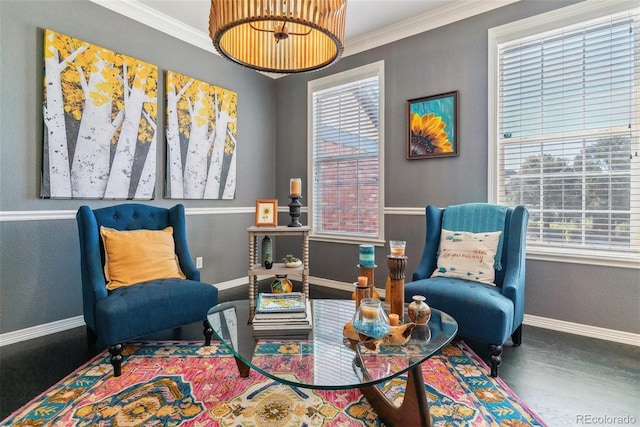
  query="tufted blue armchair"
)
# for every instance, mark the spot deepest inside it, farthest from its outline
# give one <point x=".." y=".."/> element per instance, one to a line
<point x="125" y="313"/>
<point x="484" y="312"/>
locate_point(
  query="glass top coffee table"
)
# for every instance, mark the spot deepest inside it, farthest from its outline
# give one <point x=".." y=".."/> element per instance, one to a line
<point x="322" y="358"/>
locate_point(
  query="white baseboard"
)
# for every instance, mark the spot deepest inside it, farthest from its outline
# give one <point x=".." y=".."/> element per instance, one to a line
<point x="40" y="330"/>
<point x="583" y="330"/>
<point x="531" y="320"/>
<point x="230" y="284"/>
<point x="74" y="322"/>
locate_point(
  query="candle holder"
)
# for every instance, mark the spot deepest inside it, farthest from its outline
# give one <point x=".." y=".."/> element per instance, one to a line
<point x="294" y="211"/>
<point x="369" y="273"/>
<point x="395" y="297"/>
<point x="361" y="292"/>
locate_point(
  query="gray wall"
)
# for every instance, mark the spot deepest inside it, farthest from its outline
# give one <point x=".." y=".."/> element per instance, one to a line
<point x="39" y="260"/>
<point x="453" y="57"/>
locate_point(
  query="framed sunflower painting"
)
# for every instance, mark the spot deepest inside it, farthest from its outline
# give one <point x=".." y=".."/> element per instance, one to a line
<point x="433" y="126"/>
<point x="266" y="213"/>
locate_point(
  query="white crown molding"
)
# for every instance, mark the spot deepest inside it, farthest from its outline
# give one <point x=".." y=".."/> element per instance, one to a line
<point x="452" y="11"/>
<point x="152" y="18"/>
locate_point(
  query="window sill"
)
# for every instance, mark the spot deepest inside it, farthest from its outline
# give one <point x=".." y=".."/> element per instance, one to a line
<point x="581" y="256"/>
<point x="347" y="240"/>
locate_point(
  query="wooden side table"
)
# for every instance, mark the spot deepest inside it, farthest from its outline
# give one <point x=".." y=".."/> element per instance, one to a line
<point x="256" y="268"/>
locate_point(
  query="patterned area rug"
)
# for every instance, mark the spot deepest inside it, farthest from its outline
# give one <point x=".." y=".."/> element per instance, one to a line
<point x="184" y="383"/>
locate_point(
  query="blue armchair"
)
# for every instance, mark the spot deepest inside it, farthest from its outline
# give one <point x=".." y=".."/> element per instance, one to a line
<point x="484" y="312"/>
<point x="118" y="315"/>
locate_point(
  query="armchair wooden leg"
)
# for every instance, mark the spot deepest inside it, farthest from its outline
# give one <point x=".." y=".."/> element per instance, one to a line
<point x="208" y="332"/>
<point x="495" y="358"/>
<point x="92" y="337"/>
<point x="116" y="358"/>
<point x="516" y="337"/>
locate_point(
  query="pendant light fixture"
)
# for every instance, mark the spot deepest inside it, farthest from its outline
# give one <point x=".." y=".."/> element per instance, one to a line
<point x="279" y="36"/>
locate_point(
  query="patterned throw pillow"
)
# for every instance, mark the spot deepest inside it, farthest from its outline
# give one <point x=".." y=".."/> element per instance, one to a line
<point x="469" y="256"/>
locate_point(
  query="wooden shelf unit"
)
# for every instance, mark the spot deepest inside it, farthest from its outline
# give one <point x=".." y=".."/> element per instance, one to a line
<point x="256" y="268"/>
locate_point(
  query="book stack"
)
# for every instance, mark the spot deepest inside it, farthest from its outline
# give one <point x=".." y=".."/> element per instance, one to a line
<point x="282" y="314"/>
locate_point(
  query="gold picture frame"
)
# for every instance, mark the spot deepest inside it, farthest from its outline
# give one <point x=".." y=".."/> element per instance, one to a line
<point x="266" y="212"/>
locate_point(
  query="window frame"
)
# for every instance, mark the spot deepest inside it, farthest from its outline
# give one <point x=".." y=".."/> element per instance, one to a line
<point x="548" y="21"/>
<point x="327" y="82"/>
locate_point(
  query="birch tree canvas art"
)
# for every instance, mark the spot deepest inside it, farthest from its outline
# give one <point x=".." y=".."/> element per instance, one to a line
<point x="100" y="111"/>
<point x="201" y="139"/>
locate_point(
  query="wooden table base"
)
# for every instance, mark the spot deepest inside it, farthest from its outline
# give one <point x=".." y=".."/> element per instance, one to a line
<point x="243" y="368"/>
<point x="414" y="410"/>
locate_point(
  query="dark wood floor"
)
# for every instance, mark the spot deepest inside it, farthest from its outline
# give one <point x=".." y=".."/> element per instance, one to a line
<point x="566" y="379"/>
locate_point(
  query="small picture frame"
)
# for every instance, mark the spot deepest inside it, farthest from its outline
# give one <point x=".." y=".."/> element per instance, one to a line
<point x="266" y="212"/>
<point x="433" y="126"/>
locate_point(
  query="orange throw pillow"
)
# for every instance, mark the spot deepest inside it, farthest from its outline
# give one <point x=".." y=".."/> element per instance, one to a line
<point x="138" y="256"/>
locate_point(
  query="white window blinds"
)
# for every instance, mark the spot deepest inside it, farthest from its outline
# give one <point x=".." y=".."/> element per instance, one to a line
<point x="346" y="140"/>
<point x="567" y="134"/>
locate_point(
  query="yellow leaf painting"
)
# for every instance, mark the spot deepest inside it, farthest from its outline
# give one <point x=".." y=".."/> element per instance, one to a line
<point x="100" y="111"/>
<point x="201" y="139"/>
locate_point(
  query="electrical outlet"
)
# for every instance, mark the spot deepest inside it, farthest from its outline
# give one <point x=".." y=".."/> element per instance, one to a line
<point x="198" y="262"/>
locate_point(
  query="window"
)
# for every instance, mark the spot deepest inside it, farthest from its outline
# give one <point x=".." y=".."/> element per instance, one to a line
<point x="345" y="142"/>
<point x="564" y="135"/>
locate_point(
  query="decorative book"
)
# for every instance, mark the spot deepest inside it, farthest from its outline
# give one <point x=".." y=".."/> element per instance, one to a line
<point x="279" y="334"/>
<point x="278" y="316"/>
<point x="283" y="328"/>
<point x="291" y="302"/>
<point x="277" y="325"/>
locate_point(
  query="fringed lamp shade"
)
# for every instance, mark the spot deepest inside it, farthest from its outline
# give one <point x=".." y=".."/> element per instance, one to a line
<point x="279" y="36"/>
